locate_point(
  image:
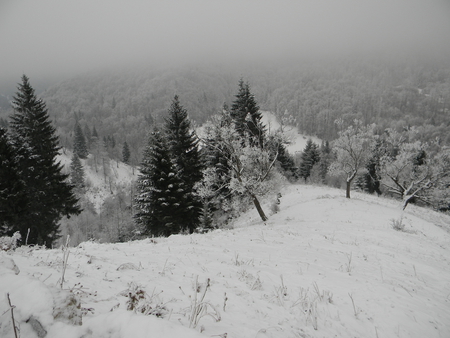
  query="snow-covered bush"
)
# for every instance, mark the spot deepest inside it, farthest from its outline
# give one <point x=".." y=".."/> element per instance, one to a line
<point x="10" y="243"/>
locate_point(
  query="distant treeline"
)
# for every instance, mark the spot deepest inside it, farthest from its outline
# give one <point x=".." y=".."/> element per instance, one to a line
<point x="123" y="105"/>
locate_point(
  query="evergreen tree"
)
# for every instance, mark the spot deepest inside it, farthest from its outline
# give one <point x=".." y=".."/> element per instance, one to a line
<point x="310" y="157"/>
<point x="183" y="146"/>
<point x="79" y="142"/>
<point x="370" y="180"/>
<point x="49" y="196"/>
<point x="125" y="153"/>
<point x="161" y="194"/>
<point x="88" y="136"/>
<point x="216" y="193"/>
<point x="285" y="161"/>
<point x="3" y="123"/>
<point x="94" y="133"/>
<point x="12" y="193"/>
<point x="77" y="173"/>
<point x="247" y="117"/>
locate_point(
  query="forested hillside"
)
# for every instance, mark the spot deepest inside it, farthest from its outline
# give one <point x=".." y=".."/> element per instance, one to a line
<point x="123" y="105"/>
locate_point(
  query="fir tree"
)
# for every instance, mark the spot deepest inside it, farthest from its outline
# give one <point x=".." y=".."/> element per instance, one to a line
<point x="125" y="153"/>
<point x="79" y="142"/>
<point x="77" y="173"/>
<point x="49" y="196"/>
<point x="310" y="157"/>
<point x="88" y="136"/>
<point x="247" y="117"/>
<point x="370" y="180"/>
<point x="285" y="161"/>
<point x="94" y="133"/>
<point x="183" y="146"/>
<point x="161" y="194"/>
<point x="216" y="192"/>
<point x="12" y="193"/>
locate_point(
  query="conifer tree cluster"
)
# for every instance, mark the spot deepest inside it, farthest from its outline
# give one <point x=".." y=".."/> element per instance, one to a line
<point x="37" y="194"/>
<point x="166" y="202"/>
<point x="242" y="159"/>
<point x="79" y="143"/>
<point x="310" y="157"/>
<point x="126" y="153"/>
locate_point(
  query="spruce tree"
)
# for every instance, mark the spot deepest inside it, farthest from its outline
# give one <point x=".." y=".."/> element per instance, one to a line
<point x="215" y="155"/>
<point x="370" y="180"/>
<point x="125" y="153"/>
<point x="247" y="117"/>
<point x="285" y="160"/>
<point x="79" y="142"/>
<point x="87" y="136"/>
<point x="12" y="192"/>
<point x="77" y="173"/>
<point x="161" y="194"/>
<point x="310" y="156"/>
<point x="183" y="146"/>
<point x="49" y="195"/>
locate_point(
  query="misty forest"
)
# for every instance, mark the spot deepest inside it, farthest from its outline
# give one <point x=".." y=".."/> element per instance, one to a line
<point x="381" y="127"/>
<point x="207" y="169"/>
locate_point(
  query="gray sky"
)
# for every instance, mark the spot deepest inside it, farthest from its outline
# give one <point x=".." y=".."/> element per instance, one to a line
<point x="64" y="37"/>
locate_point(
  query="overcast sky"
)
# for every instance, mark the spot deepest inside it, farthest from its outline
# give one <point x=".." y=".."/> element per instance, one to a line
<point x="55" y="37"/>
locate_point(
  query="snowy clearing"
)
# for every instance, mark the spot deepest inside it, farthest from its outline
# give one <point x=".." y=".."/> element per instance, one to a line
<point x="297" y="141"/>
<point x="324" y="266"/>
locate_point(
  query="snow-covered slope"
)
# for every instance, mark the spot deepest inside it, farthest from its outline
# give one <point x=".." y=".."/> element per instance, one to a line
<point x="324" y="266"/>
<point x="297" y="141"/>
<point x="100" y="182"/>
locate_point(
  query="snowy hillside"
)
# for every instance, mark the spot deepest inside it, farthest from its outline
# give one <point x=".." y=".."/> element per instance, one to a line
<point x="297" y="140"/>
<point x="324" y="266"/>
<point x="103" y="180"/>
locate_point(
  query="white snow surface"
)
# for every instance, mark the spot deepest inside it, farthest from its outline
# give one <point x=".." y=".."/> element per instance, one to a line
<point x="297" y="141"/>
<point x="99" y="187"/>
<point x="323" y="266"/>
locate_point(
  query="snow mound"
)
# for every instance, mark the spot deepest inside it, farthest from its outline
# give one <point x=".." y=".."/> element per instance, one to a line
<point x="323" y="266"/>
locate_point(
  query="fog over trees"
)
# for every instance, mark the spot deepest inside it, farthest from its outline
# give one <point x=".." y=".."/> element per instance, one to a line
<point x="109" y="71"/>
<point x="60" y="40"/>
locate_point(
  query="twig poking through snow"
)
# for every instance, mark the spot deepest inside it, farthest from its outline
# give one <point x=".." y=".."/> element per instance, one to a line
<point x="65" y="249"/>
<point x="354" y="307"/>
<point x="12" y="316"/>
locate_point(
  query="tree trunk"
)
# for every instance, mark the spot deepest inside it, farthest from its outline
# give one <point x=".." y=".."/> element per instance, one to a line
<point x="258" y="207"/>
<point x="349" y="183"/>
<point x="347" y="192"/>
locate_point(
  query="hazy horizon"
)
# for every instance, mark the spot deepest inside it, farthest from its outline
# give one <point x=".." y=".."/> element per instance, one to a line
<point x="50" y="39"/>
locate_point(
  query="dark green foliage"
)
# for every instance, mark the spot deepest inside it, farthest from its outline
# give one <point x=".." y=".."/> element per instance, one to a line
<point x="49" y="196"/>
<point x="310" y="157"/>
<point x="12" y="193"/>
<point x="420" y="158"/>
<point x="77" y="173"/>
<point x="247" y="117"/>
<point x="183" y="145"/>
<point x="87" y="136"/>
<point x="94" y="133"/>
<point x="125" y="153"/>
<point x="285" y="160"/>
<point x="3" y="123"/>
<point x="161" y="194"/>
<point x="79" y="142"/>
<point x="370" y="180"/>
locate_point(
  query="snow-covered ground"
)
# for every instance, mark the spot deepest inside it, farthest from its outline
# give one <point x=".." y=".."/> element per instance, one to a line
<point x="323" y="266"/>
<point x="99" y="186"/>
<point x="297" y="140"/>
